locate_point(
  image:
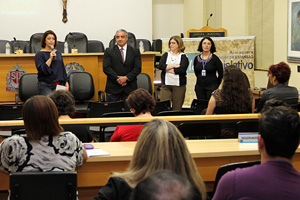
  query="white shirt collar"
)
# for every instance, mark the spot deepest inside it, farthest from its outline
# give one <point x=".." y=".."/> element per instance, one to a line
<point x="124" y="48"/>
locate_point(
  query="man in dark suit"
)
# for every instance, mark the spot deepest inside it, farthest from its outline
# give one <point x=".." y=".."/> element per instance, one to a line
<point x="121" y="64"/>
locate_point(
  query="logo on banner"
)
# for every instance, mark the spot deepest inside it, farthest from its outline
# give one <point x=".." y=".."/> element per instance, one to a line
<point x="13" y="78"/>
<point x="74" y="67"/>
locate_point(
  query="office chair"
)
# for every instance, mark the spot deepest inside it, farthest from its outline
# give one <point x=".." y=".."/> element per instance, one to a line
<point x="2" y="46"/>
<point x="144" y="81"/>
<point x="200" y="130"/>
<point x="18" y="45"/>
<point x="10" y="112"/>
<point x="60" y="47"/>
<point x="82" y="87"/>
<point x="95" y="46"/>
<point x="78" y="41"/>
<point x="131" y="41"/>
<point x="229" y="167"/>
<point x="28" y="86"/>
<point x="245" y="126"/>
<point x="198" y="105"/>
<point x="146" y="43"/>
<point x="157" y="45"/>
<point x="161" y="106"/>
<point x="43" y="185"/>
<point x="35" y="42"/>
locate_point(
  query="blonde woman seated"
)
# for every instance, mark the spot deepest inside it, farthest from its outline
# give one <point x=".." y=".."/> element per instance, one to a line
<point x="234" y="97"/>
<point x="141" y="104"/>
<point x="160" y="147"/>
<point x="45" y="147"/>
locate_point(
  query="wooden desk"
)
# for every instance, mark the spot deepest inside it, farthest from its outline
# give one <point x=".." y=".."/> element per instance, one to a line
<point x="209" y="155"/>
<point x="92" y="63"/>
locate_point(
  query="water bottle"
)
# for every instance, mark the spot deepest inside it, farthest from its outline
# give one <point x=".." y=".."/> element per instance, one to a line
<point x="7" y="48"/>
<point x="66" y="48"/>
<point x="141" y="45"/>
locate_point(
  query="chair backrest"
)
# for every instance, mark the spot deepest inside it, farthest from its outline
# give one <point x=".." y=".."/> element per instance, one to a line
<point x="245" y="126"/>
<point x="78" y="41"/>
<point x="60" y="46"/>
<point x="118" y="114"/>
<point x="161" y="106"/>
<point x="175" y="113"/>
<point x="95" y="46"/>
<point x="229" y="167"/>
<point x="35" y="42"/>
<point x="146" y="43"/>
<point x="144" y="81"/>
<point x="18" y="45"/>
<point x="81" y="85"/>
<point x="97" y="109"/>
<point x="198" y="105"/>
<point x="200" y="130"/>
<point x="28" y="86"/>
<point x="43" y="185"/>
<point x="131" y="40"/>
<point x="157" y="45"/>
<point x="2" y="46"/>
<point x="10" y="112"/>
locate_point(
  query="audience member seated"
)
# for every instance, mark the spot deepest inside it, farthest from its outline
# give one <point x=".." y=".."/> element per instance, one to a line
<point x="165" y="186"/>
<point x="279" y="76"/>
<point x="160" y="147"/>
<point x="65" y="104"/>
<point x="235" y="96"/>
<point x="275" y="178"/>
<point x="141" y="104"/>
<point x="45" y="147"/>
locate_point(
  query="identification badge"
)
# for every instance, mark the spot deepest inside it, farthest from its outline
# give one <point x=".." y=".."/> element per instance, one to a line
<point x="203" y="72"/>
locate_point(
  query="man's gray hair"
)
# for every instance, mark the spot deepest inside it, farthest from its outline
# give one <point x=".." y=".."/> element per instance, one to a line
<point x="122" y="30"/>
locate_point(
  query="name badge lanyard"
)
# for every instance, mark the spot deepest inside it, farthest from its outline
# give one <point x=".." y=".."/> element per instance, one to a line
<point x="203" y="65"/>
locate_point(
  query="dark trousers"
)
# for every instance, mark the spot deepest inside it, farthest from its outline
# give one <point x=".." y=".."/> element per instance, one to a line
<point x="204" y="92"/>
<point x="45" y="88"/>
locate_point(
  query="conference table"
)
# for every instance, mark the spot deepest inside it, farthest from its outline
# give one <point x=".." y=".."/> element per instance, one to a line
<point x="91" y="62"/>
<point x="209" y="155"/>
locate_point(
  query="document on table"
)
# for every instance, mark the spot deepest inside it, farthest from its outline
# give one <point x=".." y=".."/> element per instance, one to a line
<point x="96" y="152"/>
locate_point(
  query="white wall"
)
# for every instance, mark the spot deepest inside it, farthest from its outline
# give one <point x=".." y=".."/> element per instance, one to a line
<point x="98" y="19"/>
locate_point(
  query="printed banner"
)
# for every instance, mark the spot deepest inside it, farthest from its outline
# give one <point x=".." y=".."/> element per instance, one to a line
<point x="237" y="51"/>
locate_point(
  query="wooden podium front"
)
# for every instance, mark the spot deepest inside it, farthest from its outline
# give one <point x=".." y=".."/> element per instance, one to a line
<point x="92" y="63"/>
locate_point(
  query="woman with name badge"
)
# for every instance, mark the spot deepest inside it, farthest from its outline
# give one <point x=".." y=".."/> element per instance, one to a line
<point x="50" y="65"/>
<point x="174" y="65"/>
<point x="205" y="66"/>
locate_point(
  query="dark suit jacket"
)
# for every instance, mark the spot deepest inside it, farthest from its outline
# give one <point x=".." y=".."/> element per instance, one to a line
<point x="113" y="67"/>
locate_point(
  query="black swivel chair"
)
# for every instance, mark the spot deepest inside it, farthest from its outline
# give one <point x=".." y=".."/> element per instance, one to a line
<point x="229" y="167"/>
<point x="82" y="87"/>
<point x="78" y="41"/>
<point x="175" y="113"/>
<point x="157" y="45"/>
<point x="245" y="126"/>
<point x="198" y="105"/>
<point x="3" y="46"/>
<point x="200" y="130"/>
<point x="10" y="112"/>
<point x="131" y="41"/>
<point x="144" y="81"/>
<point x="28" y="86"/>
<point x="18" y="45"/>
<point x="146" y="43"/>
<point x="35" y="42"/>
<point x="95" y="46"/>
<point x="161" y="106"/>
<point x="43" y="185"/>
<point x="60" y="46"/>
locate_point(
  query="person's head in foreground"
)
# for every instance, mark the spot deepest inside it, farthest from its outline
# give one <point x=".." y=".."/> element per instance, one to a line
<point x="278" y="133"/>
<point x="140" y="102"/>
<point x="64" y="101"/>
<point x="161" y="147"/>
<point x="279" y="73"/>
<point x="40" y="117"/>
<point x="165" y="185"/>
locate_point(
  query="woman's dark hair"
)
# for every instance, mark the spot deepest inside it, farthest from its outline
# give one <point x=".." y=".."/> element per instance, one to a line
<point x="64" y="102"/>
<point x="281" y="71"/>
<point x="43" y="39"/>
<point x="141" y="101"/>
<point x="235" y="93"/>
<point x="213" y="46"/>
<point x="40" y="117"/>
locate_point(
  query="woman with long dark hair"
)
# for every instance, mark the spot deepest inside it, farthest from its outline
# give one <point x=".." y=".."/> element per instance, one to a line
<point x="234" y="96"/>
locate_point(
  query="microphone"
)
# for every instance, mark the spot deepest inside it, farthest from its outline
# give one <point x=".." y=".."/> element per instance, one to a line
<point x="52" y="48"/>
<point x="209" y="18"/>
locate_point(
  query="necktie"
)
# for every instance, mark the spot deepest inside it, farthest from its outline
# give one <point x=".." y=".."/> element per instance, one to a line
<point x="122" y="53"/>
